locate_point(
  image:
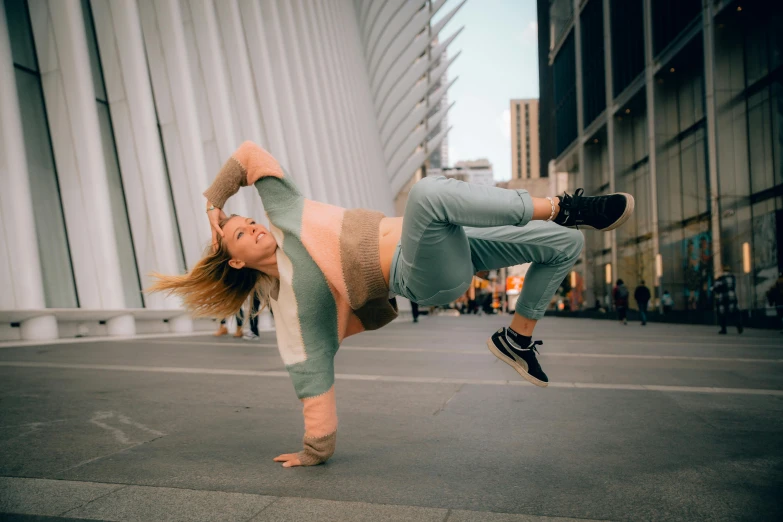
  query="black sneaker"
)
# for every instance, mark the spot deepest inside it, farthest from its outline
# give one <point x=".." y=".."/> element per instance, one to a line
<point x="596" y="212"/>
<point x="523" y="361"/>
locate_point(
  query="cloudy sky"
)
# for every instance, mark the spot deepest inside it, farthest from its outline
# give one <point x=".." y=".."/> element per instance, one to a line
<point x="499" y="61"/>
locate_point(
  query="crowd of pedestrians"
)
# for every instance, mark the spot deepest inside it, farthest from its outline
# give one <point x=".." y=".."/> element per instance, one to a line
<point x="723" y="291"/>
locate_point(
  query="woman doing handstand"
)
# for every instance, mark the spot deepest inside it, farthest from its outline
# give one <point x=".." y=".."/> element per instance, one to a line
<point x="329" y="272"/>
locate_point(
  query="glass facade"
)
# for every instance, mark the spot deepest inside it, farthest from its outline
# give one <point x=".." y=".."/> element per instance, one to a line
<point x="564" y="87"/>
<point x="598" y="247"/>
<point x="749" y="111"/>
<point x="670" y="18"/>
<point x="627" y="28"/>
<point x="692" y="218"/>
<point x="561" y="12"/>
<point x="635" y="257"/>
<point x="682" y="180"/>
<point x="593" y="77"/>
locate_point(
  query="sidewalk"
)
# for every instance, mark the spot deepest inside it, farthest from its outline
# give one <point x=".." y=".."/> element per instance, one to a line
<point x="665" y="422"/>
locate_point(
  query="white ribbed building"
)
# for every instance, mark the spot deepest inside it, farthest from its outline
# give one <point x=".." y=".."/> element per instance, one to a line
<point x="116" y="114"/>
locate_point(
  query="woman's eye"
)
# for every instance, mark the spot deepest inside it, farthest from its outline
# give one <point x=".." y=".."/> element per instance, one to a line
<point x="240" y="235"/>
<point x="252" y="222"/>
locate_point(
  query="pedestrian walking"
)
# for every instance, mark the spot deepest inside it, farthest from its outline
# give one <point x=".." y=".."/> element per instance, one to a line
<point x="328" y="272"/>
<point x="223" y="328"/>
<point x="253" y="334"/>
<point x="725" y="290"/>
<point x="642" y="297"/>
<point x="620" y="295"/>
<point x="775" y="298"/>
<point x="667" y="301"/>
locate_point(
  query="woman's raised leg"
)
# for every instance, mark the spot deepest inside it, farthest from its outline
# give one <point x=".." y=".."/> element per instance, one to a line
<point x="552" y="251"/>
<point x="433" y="265"/>
<point x="453" y="229"/>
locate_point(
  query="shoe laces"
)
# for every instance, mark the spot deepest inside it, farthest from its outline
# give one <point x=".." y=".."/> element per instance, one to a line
<point x="581" y="205"/>
<point x="533" y="346"/>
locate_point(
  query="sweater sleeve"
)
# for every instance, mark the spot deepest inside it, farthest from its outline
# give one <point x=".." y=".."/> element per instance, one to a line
<point x="250" y="165"/>
<point x="320" y="419"/>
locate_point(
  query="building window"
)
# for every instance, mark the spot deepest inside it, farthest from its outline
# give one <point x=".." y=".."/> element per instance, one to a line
<point x="627" y="27"/>
<point x="52" y="235"/>
<point x="593" y="74"/>
<point x="670" y="18"/>
<point x="564" y="94"/>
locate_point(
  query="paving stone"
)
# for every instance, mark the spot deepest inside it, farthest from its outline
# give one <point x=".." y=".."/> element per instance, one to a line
<point x="144" y="504"/>
<point x="307" y="510"/>
<point x="48" y="497"/>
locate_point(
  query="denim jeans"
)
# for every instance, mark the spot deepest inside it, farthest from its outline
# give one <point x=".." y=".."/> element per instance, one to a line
<point x="643" y="311"/>
<point x="452" y="229"/>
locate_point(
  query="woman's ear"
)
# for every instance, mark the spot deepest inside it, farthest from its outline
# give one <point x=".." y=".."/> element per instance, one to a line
<point x="236" y="263"/>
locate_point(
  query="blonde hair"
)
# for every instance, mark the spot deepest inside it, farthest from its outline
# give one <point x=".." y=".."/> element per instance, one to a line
<point x="215" y="289"/>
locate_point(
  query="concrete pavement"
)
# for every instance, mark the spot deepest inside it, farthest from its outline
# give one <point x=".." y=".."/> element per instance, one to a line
<point x="663" y="422"/>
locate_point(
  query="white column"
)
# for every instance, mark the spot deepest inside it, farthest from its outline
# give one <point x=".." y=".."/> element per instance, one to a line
<point x="76" y="138"/>
<point x="139" y="149"/>
<point x="308" y="91"/>
<point x="708" y="30"/>
<point x="330" y="95"/>
<point x="312" y="143"/>
<point x="323" y="99"/>
<point x="353" y="83"/>
<point x="376" y="175"/>
<point x="20" y="269"/>
<point x="580" y="117"/>
<point x="299" y="161"/>
<point x="609" y="112"/>
<point x="267" y="88"/>
<point x="346" y="129"/>
<point x="649" y="85"/>
<point x="342" y="23"/>
<point x="218" y="126"/>
<point x="241" y="83"/>
<point x="164" y="42"/>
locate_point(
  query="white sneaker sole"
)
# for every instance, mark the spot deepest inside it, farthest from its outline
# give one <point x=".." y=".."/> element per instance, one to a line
<point x="518" y="367"/>
<point x="623" y="218"/>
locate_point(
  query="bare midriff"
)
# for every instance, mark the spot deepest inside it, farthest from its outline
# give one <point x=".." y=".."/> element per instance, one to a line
<point x="390" y="234"/>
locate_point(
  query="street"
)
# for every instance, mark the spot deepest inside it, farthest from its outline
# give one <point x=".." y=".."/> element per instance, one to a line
<point x="663" y="422"/>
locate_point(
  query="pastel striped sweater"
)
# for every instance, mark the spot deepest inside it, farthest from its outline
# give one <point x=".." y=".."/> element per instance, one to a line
<point x="331" y="283"/>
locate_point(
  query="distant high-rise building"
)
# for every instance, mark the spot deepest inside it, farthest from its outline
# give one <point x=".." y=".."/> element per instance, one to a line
<point x="473" y="171"/>
<point x="524" y="139"/>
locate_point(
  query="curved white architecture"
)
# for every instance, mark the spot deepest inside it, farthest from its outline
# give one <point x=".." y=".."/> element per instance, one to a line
<point x="115" y="116"/>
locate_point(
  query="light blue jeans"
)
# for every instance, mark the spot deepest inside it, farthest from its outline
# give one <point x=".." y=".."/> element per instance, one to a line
<point x="452" y="229"/>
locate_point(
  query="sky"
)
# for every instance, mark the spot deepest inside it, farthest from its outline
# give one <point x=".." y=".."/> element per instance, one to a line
<point x="499" y="62"/>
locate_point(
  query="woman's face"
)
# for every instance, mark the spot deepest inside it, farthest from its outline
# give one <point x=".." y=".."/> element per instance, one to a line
<point x="249" y="243"/>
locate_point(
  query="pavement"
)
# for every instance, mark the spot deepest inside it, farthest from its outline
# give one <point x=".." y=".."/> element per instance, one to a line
<point x="663" y="422"/>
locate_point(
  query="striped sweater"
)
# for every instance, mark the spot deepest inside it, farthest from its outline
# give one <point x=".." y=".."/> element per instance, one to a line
<point x="331" y="283"/>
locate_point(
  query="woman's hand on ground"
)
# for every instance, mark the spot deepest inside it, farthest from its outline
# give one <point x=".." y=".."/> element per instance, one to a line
<point x="289" y="460"/>
<point x="216" y="215"/>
